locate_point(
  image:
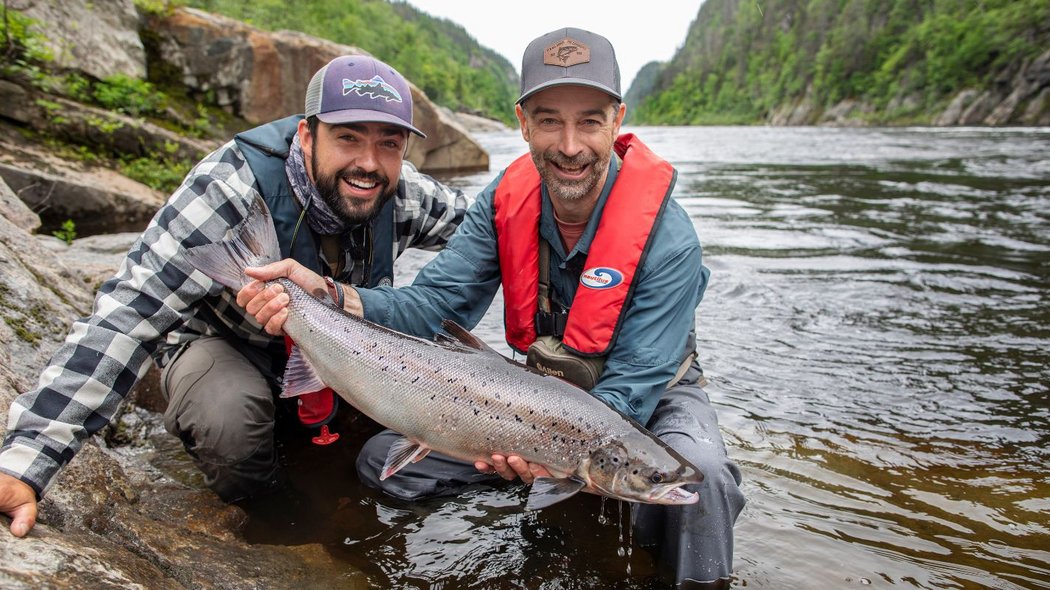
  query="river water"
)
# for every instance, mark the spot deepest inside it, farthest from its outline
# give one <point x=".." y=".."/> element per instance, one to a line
<point x="877" y="335"/>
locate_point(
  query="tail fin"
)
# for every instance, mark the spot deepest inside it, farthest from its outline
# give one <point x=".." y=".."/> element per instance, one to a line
<point x="254" y="243"/>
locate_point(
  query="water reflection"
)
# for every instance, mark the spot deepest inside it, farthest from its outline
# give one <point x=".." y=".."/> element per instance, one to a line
<point x="877" y="339"/>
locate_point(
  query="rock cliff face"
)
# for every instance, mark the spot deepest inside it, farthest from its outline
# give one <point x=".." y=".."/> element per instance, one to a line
<point x="262" y="76"/>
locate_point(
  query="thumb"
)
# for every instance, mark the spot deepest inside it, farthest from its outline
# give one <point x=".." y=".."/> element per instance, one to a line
<point x="268" y="272"/>
<point x="23" y="517"/>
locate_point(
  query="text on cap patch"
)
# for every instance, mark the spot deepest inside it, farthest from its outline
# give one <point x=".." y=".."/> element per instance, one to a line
<point x="565" y="53"/>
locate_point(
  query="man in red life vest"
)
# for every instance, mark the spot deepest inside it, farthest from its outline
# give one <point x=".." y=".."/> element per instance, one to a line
<point x="601" y="272"/>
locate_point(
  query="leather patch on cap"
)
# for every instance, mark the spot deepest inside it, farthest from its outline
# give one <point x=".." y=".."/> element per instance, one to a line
<point x="565" y="53"/>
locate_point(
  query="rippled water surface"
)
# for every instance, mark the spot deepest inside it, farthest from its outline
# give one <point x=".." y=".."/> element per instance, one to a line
<point x="877" y="336"/>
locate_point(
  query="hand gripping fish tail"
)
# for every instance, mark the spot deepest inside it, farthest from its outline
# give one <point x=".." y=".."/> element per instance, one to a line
<point x="457" y="396"/>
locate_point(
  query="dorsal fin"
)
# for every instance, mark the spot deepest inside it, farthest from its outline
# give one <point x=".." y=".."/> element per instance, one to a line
<point x="464" y="337"/>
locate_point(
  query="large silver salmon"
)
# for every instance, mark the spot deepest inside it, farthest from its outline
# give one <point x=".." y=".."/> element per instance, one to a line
<point x="455" y="395"/>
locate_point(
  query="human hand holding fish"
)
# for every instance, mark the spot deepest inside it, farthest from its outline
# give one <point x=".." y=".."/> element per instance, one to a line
<point x="268" y="301"/>
<point x="512" y="467"/>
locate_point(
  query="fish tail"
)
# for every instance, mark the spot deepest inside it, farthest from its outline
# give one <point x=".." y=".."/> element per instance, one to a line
<point x="254" y="243"/>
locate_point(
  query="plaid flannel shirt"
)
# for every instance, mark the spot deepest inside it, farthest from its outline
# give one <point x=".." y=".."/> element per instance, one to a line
<point x="156" y="303"/>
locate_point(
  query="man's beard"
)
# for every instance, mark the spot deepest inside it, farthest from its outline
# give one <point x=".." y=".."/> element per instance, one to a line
<point x="351" y="210"/>
<point x="560" y="188"/>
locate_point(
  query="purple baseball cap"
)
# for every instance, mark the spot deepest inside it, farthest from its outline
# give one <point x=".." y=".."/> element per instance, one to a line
<point x="360" y="89"/>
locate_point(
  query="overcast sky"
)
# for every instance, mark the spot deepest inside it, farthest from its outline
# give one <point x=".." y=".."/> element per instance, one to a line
<point x="640" y="33"/>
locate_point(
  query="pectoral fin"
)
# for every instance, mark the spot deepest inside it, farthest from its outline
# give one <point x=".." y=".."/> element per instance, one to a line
<point x="300" y="376"/>
<point x="550" y="490"/>
<point x="401" y="453"/>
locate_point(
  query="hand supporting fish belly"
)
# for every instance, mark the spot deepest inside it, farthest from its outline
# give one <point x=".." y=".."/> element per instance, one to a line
<point x="513" y="467"/>
<point x="453" y="395"/>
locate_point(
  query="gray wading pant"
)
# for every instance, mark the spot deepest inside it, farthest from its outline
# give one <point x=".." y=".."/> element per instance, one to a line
<point x="222" y="409"/>
<point x="693" y="541"/>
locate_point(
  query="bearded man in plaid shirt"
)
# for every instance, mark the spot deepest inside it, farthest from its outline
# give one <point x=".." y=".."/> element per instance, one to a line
<point x="344" y="203"/>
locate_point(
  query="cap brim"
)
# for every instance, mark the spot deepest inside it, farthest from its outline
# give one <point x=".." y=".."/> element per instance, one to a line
<point x="574" y="82"/>
<point x="366" y="116"/>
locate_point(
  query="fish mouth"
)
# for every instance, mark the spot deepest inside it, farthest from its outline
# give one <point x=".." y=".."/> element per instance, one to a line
<point x="674" y="495"/>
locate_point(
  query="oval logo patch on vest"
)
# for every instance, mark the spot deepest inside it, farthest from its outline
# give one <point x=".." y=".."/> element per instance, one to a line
<point x="601" y="277"/>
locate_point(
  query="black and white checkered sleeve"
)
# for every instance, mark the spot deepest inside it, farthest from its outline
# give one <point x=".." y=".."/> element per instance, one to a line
<point x="428" y="212"/>
<point x="153" y="292"/>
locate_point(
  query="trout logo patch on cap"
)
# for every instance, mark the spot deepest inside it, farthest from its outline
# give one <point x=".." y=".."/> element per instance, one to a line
<point x="374" y="88"/>
<point x="601" y="277"/>
<point x="565" y="53"/>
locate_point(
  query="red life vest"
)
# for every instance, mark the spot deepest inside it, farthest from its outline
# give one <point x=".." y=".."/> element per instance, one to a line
<point x="643" y="186"/>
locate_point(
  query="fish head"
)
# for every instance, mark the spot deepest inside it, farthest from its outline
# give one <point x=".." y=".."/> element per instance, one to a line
<point x="641" y="468"/>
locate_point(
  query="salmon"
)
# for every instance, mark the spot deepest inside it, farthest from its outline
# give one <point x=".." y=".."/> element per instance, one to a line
<point x="455" y="395"/>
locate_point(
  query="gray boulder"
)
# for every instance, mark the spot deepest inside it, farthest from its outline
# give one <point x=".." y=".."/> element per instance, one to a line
<point x="97" y="37"/>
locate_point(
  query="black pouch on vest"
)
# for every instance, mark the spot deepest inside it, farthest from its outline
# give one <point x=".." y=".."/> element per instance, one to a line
<point x="547" y="355"/>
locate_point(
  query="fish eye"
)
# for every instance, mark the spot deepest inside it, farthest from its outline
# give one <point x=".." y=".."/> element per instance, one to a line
<point x="656" y="477"/>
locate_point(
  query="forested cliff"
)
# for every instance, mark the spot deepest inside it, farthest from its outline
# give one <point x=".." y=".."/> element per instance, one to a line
<point x="941" y="62"/>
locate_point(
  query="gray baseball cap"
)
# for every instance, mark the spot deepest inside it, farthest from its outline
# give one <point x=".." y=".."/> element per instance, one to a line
<point x="569" y="56"/>
<point x="360" y="89"/>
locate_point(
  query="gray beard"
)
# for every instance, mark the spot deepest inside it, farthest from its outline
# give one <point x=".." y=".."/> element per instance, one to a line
<point x="556" y="186"/>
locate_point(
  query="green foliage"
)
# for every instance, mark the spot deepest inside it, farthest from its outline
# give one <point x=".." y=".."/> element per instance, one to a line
<point x="23" y="44"/>
<point x="744" y="60"/>
<point x="158" y="172"/>
<point x="67" y="233"/>
<point x="436" y="55"/>
<point x="157" y="7"/>
<point x="129" y="95"/>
